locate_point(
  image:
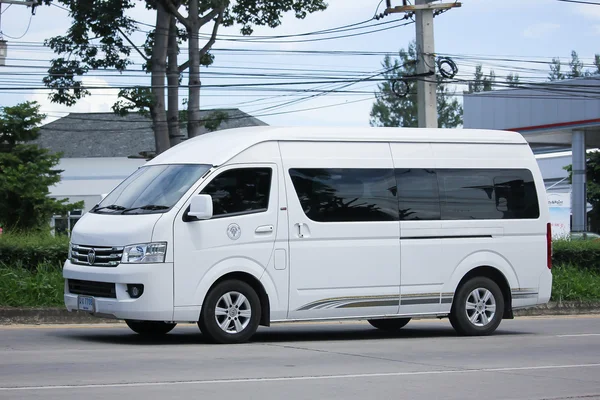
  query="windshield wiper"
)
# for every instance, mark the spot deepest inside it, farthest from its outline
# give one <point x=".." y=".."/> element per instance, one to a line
<point x="151" y="207"/>
<point x="115" y="207"/>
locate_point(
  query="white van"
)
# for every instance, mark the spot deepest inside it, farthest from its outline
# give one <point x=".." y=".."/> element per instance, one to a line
<point x="252" y="226"/>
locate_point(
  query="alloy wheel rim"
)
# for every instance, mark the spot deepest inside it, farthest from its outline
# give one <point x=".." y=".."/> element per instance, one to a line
<point x="481" y="307"/>
<point x="233" y="312"/>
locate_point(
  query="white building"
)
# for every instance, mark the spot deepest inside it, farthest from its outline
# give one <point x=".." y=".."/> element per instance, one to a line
<point x="99" y="150"/>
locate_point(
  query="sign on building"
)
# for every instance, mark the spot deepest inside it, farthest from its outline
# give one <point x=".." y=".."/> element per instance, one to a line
<point x="560" y="214"/>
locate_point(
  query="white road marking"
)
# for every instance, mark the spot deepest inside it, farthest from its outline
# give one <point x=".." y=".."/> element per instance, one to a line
<point x="579" y="335"/>
<point x="293" y="378"/>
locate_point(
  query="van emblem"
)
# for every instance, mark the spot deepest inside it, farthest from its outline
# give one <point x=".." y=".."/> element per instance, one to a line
<point x="234" y="231"/>
<point x="91" y="257"/>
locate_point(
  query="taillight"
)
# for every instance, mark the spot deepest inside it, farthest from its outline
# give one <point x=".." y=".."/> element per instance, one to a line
<point x="549" y="244"/>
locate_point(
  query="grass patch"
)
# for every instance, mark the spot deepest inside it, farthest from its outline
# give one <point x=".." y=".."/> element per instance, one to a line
<point x="573" y="283"/>
<point x="24" y="287"/>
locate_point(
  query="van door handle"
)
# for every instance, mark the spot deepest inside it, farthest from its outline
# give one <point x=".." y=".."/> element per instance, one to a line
<point x="300" y="225"/>
<point x="264" y="229"/>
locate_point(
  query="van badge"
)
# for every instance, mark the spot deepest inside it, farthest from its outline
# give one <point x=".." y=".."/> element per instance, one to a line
<point x="91" y="257"/>
<point x="234" y="231"/>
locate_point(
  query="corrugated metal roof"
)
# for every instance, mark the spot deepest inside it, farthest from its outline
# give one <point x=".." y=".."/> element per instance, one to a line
<point x="110" y="135"/>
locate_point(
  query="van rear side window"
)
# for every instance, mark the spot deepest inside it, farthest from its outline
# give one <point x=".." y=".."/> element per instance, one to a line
<point x="466" y="194"/>
<point x="346" y="194"/>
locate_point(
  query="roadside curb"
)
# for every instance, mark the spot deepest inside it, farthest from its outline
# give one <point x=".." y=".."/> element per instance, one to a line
<point x="42" y="316"/>
<point x="57" y="315"/>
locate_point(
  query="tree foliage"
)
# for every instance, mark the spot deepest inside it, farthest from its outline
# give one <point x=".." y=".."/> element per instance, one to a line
<point x="593" y="187"/>
<point x="26" y="171"/>
<point x="480" y="82"/>
<point x="390" y="109"/>
<point x="512" y="80"/>
<point x="98" y="38"/>
<point x="576" y="69"/>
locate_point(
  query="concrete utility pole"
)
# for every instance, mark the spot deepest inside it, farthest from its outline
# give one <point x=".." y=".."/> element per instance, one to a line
<point x="426" y="85"/>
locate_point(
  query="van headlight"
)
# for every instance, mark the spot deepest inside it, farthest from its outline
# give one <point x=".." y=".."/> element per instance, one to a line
<point x="144" y="253"/>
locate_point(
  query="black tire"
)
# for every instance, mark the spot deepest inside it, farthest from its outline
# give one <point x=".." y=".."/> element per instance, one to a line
<point x="241" y="327"/>
<point x="390" y="325"/>
<point x="460" y="316"/>
<point x="150" y="328"/>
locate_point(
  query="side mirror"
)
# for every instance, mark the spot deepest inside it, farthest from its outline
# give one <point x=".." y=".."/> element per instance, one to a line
<point x="201" y="206"/>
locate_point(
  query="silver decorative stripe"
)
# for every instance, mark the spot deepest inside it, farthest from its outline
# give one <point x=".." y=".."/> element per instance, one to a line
<point x="378" y="301"/>
<point x="351" y="302"/>
<point x="524" y="293"/>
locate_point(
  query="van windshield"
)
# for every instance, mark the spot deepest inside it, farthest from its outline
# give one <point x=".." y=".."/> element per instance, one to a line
<point x="151" y="189"/>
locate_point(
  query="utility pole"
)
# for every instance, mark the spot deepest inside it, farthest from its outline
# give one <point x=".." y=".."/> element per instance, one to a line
<point x="427" y="84"/>
<point x="3" y="43"/>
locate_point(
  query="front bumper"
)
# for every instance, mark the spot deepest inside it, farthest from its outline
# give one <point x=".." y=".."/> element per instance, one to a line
<point x="155" y="304"/>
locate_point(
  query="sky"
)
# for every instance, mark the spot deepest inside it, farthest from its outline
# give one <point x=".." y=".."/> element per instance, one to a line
<point x="505" y="35"/>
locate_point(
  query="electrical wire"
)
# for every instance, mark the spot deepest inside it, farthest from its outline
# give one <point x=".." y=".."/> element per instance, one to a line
<point x="23" y="35"/>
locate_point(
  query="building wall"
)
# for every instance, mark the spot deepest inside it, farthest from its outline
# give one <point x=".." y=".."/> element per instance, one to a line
<point x="550" y="104"/>
<point x="88" y="179"/>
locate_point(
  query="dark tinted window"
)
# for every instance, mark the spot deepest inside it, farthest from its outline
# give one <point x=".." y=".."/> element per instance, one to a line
<point x="341" y="195"/>
<point x="418" y="194"/>
<point x="487" y="194"/>
<point x="240" y="190"/>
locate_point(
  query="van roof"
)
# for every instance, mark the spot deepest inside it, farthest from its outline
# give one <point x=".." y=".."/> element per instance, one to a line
<point x="216" y="148"/>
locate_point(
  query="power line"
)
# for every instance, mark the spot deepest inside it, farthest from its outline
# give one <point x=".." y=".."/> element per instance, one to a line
<point x="580" y="2"/>
<point x="23" y="35"/>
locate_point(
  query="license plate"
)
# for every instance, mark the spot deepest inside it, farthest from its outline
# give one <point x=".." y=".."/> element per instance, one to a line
<point x="85" y="303"/>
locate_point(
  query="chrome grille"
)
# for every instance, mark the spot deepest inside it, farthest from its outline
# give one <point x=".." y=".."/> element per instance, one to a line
<point x="96" y="256"/>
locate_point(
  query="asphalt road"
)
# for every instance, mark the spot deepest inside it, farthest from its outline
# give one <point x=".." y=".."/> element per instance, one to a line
<point x="528" y="358"/>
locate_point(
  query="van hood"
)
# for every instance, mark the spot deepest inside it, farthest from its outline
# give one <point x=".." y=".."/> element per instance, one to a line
<point x="114" y="230"/>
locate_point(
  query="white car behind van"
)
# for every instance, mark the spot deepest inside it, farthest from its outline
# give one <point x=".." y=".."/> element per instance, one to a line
<point x="246" y="227"/>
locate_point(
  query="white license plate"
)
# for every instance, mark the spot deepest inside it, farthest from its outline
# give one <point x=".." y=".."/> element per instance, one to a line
<point x="85" y="303"/>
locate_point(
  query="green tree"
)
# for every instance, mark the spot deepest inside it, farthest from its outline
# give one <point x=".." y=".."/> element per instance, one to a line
<point x="593" y="187"/>
<point x="480" y="82"/>
<point x="555" y="73"/>
<point x="512" y="80"/>
<point x="26" y="171"/>
<point x="576" y="66"/>
<point x="390" y="109"/>
<point x="98" y="38"/>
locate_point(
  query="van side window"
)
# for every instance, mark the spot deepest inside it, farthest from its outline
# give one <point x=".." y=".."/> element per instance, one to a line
<point x="487" y="194"/>
<point x="346" y="194"/>
<point x="418" y="194"/>
<point x="240" y="190"/>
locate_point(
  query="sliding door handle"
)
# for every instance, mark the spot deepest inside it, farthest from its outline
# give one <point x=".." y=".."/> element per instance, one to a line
<point x="264" y="229"/>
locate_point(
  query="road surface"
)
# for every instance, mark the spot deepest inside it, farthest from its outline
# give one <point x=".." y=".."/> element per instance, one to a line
<point x="528" y="358"/>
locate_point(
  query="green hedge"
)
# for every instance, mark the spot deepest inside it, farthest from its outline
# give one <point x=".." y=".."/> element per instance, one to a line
<point x="30" y="250"/>
<point x="584" y="254"/>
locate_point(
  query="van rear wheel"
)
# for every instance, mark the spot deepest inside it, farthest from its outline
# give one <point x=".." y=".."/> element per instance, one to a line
<point x="231" y="313"/>
<point x="478" y="307"/>
<point x="150" y="328"/>
<point x="390" y="325"/>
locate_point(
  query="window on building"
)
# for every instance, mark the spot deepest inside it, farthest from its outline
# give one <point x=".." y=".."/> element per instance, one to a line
<point x="241" y="190"/>
<point x="346" y="194"/>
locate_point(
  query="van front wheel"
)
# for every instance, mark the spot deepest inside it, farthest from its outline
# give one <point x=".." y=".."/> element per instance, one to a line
<point x="478" y="307"/>
<point x="230" y="313"/>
